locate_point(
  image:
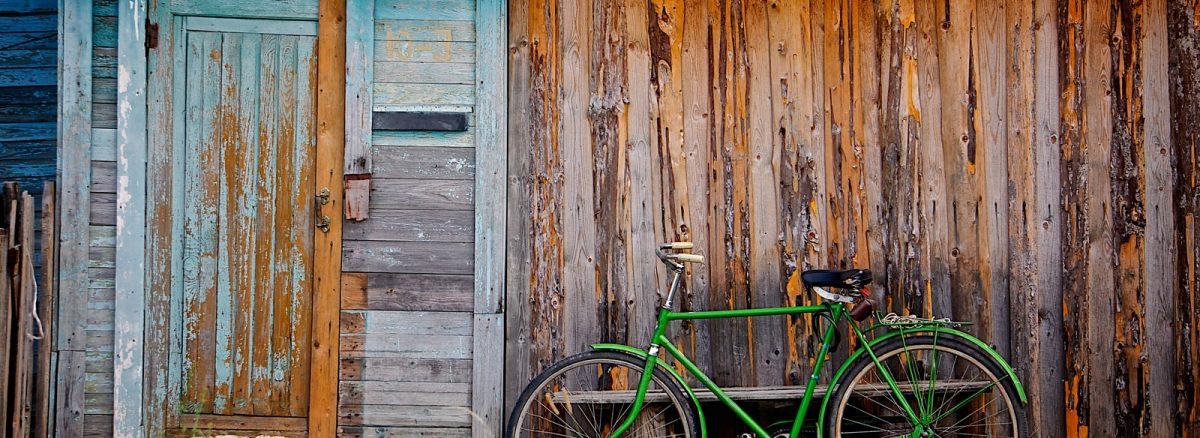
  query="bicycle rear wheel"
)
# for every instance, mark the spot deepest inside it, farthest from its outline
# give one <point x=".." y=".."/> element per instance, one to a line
<point x="953" y="387"/>
<point x="590" y="394"/>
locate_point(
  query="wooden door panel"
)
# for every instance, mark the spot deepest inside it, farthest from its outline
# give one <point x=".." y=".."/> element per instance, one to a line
<point x="247" y="231"/>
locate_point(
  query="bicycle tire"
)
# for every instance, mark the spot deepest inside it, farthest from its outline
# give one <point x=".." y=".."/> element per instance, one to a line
<point x="689" y="420"/>
<point x="954" y="346"/>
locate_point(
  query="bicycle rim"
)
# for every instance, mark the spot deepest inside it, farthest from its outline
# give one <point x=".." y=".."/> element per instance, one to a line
<point x="953" y="390"/>
<point x="590" y="395"/>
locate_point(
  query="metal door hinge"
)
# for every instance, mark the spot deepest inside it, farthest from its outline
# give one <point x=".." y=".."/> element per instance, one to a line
<point x="323" y="223"/>
<point x="323" y="196"/>
<point x="151" y="35"/>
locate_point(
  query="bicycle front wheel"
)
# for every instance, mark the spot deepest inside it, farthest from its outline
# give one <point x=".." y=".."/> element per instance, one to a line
<point x="951" y="387"/>
<point x="590" y="394"/>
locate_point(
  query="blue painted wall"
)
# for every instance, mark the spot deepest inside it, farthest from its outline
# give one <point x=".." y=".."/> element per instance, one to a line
<point x="27" y="91"/>
<point x="28" y="44"/>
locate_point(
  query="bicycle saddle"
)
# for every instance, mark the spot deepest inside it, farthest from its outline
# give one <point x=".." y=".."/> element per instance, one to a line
<point x="852" y="278"/>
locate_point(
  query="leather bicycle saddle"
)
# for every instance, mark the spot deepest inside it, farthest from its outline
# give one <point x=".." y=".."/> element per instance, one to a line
<point x="852" y="278"/>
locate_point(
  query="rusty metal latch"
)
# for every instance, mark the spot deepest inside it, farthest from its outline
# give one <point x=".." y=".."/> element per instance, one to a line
<point x="323" y="196"/>
<point x="323" y="223"/>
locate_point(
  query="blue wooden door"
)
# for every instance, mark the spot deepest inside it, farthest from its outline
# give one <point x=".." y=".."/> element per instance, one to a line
<point x="246" y="237"/>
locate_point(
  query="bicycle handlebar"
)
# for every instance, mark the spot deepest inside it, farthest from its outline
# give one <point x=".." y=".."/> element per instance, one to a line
<point x="674" y="259"/>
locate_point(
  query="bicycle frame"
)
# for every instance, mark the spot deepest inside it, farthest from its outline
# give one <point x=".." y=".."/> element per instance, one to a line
<point x="835" y="313"/>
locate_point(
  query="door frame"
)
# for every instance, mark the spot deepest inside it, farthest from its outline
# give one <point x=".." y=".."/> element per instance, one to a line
<point x="148" y="185"/>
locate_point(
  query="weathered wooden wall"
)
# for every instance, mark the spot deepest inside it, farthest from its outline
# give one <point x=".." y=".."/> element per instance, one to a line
<point x="1031" y="167"/>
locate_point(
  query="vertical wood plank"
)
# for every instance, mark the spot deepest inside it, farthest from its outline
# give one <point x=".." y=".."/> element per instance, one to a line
<point x="1097" y="137"/>
<point x="74" y="157"/>
<point x="129" y="300"/>
<point x="1075" y="219"/>
<point x="295" y="392"/>
<point x="274" y="167"/>
<point x="867" y="120"/>
<point x="21" y="376"/>
<point x="1048" y="211"/>
<point x="518" y="346"/>
<point x="165" y="71"/>
<point x="47" y="300"/>
<point x="641" y="264"/>
<point x="6" y="298"/>
<point x="1160" y="248"/>
<point x="491" y="210"/>
<point x="487" y="379"/>
<point x="491" y="152"/>
<point x="1183" y="39"/>
<point x="696" y="149"/>
<point x="792" y="101"/>
<point x="1023" y="221"/>
<point x="960" y="155"/>
<point x="992" y="138"/>
<point x="360" y="56"/>
<point x="934" y="213"/>
<point x="766" y="290"/>
<point x="608" y="82"/>
<point x="1131" y="370"/>
<point x="579" y="282"/>
<point x="327" y="265"/>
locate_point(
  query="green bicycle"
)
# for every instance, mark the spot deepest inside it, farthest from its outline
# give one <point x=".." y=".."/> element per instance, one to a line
<point x="920" y="378"/>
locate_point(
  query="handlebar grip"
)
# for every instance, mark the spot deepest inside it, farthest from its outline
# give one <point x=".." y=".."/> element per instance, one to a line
<point x="689" y="258"/>
<point x="677" y="245"/>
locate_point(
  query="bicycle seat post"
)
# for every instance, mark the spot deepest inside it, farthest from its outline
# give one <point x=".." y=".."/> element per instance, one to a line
<point x="675" y="280"/>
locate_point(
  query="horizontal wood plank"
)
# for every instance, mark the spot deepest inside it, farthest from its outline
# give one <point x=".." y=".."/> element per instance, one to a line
<point x="413" y="226"/>
<point x="32" y="39"/>
<point x="98" y="383"/>
<point x="408" y="257"/>
<point x="103" y="209"/>
<point x="97" y="426"/>
<point x="408" y="370"/>
<point x="285" y="9"/>
<point x="423" y="162"/>
<point x="28" y="22"/>
<point x="425" y="138"/>
<point x="97" y="403"/>
<point x="404" y="393"/>
<point x="406" y="322"/>
<point x="423" y="94"/>
<point x="102" y="235"/>
<point x="373" y="415"/>
<point x="98" y="362"/>
<point x="22" y="95"/>
<point x="375" y="291"/>
<point x="415" y="194"/>
<point x="104" y="177"/>
<point x="457" y="10"/>
<point x="27" y="150"/>
<point x="102" y="257"/>
<point x="15" y="58"/>
<point x="242" y="422"/>
<point x="454" y="52"/>
<point x="104" y="144"/>
<point x="406" y="346"/>
<point x="27" y="77"/>
<point x="424" y="72"/>
<point x="28" y="131"/>
<point x="403" y="432"/>
<point x="424" y="30"/>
